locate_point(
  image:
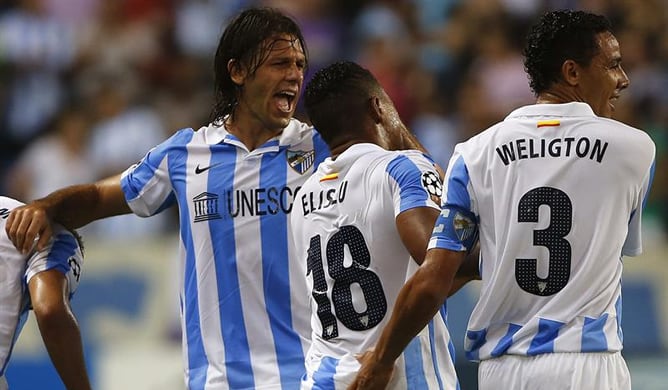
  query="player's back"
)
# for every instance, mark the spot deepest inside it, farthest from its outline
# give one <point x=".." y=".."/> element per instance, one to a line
<point x="345" y="232"/>
<point x="559" y="195"/>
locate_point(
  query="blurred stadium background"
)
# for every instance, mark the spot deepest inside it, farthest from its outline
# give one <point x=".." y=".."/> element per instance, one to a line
<point x="88" y="86"/>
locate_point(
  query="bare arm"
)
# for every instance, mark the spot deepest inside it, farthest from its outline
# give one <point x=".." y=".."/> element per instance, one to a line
<point x="73" y="207"/>
<point x="59" y="328"/>
<point x="415" y="226"/>
<point x="417" y="303"/>
<point x="468" y="271"/>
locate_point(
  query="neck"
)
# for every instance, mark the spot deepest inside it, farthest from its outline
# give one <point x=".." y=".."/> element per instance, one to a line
<point x="558" y="96"/>
<point x="251" y="133"/>
<point x="340" y="147"/>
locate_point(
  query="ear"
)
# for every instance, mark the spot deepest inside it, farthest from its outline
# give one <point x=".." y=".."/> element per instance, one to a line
<point x="570" y="71"/>
<point x="237" y="72"/>
<point x="375" y="109"/>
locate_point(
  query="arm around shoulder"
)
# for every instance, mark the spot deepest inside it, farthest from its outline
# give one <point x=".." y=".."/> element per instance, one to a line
<point x="73" y="207"/>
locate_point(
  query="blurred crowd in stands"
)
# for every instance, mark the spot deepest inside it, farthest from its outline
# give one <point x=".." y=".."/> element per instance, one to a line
<point x="88" y="86"/>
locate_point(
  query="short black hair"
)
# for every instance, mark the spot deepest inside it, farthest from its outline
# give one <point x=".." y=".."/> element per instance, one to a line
<point x="243" y="40"/>
<point x="559" y="36"/>
<point x="337" y="93"/>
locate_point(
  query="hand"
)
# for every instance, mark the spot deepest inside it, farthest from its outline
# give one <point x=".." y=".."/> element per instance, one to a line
<point x="373" y="374"/>
<point x="27" y="224"/>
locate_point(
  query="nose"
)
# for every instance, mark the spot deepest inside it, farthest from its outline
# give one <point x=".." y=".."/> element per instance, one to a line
<point x="295" y="72"/>
<point x="624" y="81"/>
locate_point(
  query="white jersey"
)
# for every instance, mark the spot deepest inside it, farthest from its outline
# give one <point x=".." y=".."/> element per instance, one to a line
<point x="345" y="236"/>
<point x="16" y="270"/>
<point x="557" y="194"/>
<point x="242" y="299"/>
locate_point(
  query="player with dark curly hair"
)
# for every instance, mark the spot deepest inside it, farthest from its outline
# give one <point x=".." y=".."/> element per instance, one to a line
<point x="379" y="206"/>
<point x="556" y="193"/>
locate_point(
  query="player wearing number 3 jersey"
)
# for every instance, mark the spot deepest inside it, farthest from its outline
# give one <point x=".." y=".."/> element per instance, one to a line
<point x="356" y="223"/>
<point x="556" y="192"/>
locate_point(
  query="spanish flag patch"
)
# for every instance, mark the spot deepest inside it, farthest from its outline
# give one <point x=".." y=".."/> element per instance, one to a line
<point x="331" y="176"/>
<point x="548" y="123"/>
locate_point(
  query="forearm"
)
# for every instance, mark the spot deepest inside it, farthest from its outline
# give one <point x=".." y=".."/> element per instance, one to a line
<point x="78" y="205"/>
<point x="417" y="303"/>
<point x="62" y="339"/>
<point x="72" y="206"/>
<point x="59" y="329"/>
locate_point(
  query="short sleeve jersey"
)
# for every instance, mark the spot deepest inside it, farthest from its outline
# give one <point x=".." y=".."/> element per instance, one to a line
<point x="243" y="312"/>
<point x="346" y="238"/>
<point x="62" y="254"/>
<point x="556" y="194"/>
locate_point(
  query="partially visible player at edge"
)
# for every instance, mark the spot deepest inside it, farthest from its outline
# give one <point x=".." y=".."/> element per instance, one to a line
<point x="357" y="225"/>
<point x="556" y="193"/>
<point x="42" y="281"/>
<point x="242" y="299"/>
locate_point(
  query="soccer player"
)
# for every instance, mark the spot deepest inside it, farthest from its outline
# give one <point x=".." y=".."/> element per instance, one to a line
<point x="556" y="192"/>
<point x="234" y="182"/>
<point x="42" y="280"/>
<point x="357" y="224"/>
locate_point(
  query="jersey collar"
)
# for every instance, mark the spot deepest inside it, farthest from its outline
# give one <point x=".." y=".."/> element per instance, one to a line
<point x="573" y="109"/>
<point x="351" y="154"/>
<point x="214" y="134"/>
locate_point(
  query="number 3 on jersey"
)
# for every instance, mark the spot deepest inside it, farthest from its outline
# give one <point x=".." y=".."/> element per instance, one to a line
<point x="561" y="219"/>
<point x="344" y="277"/>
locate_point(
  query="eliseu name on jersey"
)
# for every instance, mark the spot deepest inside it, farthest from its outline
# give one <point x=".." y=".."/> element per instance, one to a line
<point x="322" y="199"/>
<point x="524" y="148"/>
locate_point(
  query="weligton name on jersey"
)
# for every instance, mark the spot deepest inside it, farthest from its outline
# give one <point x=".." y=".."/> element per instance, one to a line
<point x="526" y="148"/>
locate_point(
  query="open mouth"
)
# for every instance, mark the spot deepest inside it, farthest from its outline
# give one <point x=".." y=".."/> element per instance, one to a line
<point x="285" y="100"/>
<point x="612" y="101"/>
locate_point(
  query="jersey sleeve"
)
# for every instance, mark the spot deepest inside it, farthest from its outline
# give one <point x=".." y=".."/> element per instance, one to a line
<point x="147" y="185"/>
<point x="633" y="243"/>
<point x="62" y="254"/>
<point x="416" y="180"/>
<point x="457" y="225"/>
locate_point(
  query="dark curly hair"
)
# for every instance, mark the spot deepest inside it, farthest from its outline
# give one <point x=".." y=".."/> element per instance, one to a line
<point x="559" y="36"/>
<point x="243" y="40"/>
<point x="336" y="93"/>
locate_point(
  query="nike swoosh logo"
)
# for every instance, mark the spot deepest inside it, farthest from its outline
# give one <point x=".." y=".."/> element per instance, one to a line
<point x="199" y="170"/>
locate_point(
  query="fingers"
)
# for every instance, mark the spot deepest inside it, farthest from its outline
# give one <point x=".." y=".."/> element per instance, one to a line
<point x="44" y="237"/>
<point x="27" y="224"/>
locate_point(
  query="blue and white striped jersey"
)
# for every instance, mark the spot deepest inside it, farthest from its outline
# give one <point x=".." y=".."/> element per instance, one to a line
<point x="16" y="270"/>
<point x="557" y="196"/>
<point x="243" y="302"/>
<point x="345" y="236"/>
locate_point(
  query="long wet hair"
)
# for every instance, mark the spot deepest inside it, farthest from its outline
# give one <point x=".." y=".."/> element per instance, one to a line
<point x="243" y="40"/>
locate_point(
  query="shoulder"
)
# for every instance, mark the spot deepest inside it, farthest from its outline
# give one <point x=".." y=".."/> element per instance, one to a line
<point x="629" y="133"/>
<point x="634" y="145"/>
<point x="297" y="132"/>
<point x="183" y="137"/>
<point x="410" y="165"/>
